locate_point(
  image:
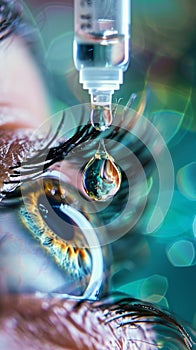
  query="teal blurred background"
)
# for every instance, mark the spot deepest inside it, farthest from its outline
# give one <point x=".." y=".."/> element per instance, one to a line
<point x="161" y="268"/>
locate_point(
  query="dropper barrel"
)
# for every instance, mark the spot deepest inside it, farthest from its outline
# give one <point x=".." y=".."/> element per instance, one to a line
<point x="101" y="43"/>
<point x="101" y="52"/>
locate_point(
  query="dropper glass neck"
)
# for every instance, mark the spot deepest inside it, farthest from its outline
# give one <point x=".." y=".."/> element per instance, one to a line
<point x="101" y="97"/>
<point x="101" y="113"/>
<point x="101" y="83"/>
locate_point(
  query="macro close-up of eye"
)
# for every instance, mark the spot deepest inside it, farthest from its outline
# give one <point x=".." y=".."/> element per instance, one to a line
<point x="66" y="259"/>
<point x="97" y="169"/>
<point x="65" y="226"/>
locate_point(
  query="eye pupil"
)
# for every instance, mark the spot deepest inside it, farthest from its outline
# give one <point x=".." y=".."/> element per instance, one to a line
<point x="58" y="221"/>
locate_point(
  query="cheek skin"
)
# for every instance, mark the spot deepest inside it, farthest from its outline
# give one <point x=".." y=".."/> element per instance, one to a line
<point x="43" y="323"/>
<point x="23" y="101"/>
<point x="29" y="323"/>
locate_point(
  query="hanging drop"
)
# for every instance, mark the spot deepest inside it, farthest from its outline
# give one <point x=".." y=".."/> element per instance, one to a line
<point x="101" y="176"/>
<point x="101" y="117"/>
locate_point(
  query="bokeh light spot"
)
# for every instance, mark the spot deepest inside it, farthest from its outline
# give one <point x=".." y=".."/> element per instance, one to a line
<point x="181" y="253"/>
<point x="194" y="226"/>
<point x="186" y="181"/>
<point x="154" y="288"/>
<point x="179" y="219"/>
<point x="168" y="123"/>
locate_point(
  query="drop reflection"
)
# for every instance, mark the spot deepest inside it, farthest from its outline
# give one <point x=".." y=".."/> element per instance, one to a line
<point x="101" y="176"/>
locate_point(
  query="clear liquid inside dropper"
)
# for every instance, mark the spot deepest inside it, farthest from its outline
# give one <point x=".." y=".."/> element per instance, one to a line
<point x="101" y="113"/>
<point x="101" y="117"/>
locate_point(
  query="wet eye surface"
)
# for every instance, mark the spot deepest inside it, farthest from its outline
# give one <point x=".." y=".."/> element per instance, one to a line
<point x="52" y="233"/>
<point x="48" y="243"/>
<point x="53" y="241"/>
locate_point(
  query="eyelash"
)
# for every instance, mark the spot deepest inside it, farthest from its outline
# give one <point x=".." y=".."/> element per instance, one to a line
<point x="131" y="313"/>
<point x="35" y="165"/>
<point x="48" y="155"/>
<point x="44" y="159"/>
<point x="11" y="18"/>
<point x="150" y="315"/>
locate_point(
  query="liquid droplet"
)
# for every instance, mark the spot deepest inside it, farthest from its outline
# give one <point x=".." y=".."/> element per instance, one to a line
<point x="101" y="117"/>
<point x="101" y="176"/>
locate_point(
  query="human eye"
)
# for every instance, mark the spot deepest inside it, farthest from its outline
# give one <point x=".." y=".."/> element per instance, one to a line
<point x="55" y="213"/>
<point x="54" y="249"/>
<point x="69" y="256"/>
<point x="56" y="244"/>
<point x="60" y="226"/>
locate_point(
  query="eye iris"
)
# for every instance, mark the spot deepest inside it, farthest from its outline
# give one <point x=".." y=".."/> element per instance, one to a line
<point x="59" y="222"/>
<point x="57" y="233"/>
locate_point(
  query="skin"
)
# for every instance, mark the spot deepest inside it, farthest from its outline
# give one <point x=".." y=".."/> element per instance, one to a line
<point x="57" y="322"/>
<point x="27" y="109"/>
<point x="26" y="112"/>
<point x="27" y="321"/>
<point x="36" y="323"/>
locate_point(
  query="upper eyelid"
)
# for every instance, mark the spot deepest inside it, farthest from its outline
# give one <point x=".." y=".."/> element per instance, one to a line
<point x="40" y="160"/>
<point x="50" y="154"/>
<point x="20" y="139"/>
